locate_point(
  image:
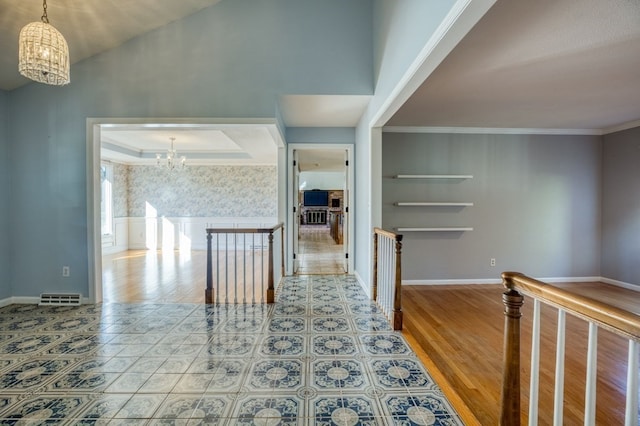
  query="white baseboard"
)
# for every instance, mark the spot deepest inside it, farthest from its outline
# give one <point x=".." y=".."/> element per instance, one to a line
<point x="362" y="283"/>
<point x="570" y="279"/>
<point x="497" y="281"/>
<point x="622" y="284"/>
<point x="451" y="282"/>
<point x="25" y="300"/>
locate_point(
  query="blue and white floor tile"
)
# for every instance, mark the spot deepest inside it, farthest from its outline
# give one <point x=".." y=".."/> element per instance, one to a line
<point x="323" y="354"/>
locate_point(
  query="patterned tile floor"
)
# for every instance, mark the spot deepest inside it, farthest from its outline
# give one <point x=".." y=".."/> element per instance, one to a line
<point x="321" y="355"/>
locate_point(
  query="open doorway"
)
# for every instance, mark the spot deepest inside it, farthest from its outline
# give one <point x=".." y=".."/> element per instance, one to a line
<point x="150" y="231"/>
<point x="320" y="196"/>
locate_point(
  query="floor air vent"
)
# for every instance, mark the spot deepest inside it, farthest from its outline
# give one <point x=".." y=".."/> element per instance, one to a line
<point x="60" y="299"/>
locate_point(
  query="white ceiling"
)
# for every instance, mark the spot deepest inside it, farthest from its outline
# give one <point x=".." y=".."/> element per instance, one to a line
<point x="322" y="110"/>
<point x="321" y="160"/>
<point x="568" y="64"/>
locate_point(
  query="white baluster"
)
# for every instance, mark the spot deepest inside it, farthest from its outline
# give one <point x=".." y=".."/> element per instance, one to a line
<point x="535" y="364"/>
<point x="558" y="405"/>
<point x="592" y="375"/>
<point x="631" y="412"/>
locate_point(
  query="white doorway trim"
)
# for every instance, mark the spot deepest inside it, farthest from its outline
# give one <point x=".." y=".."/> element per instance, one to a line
<point x="348" y="199"/>
<point x="93" y="136"/>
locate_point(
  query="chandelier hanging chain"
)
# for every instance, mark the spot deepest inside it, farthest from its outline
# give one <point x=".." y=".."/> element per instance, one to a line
<point x="44" y="18"/>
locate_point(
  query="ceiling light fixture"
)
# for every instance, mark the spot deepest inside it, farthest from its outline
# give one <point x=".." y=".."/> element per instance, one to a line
<point x="43" y="52"/>
<point x="172" y="161"/>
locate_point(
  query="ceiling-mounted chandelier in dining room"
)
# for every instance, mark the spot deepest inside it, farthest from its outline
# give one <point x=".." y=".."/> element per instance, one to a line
<point x="171" y="160"/>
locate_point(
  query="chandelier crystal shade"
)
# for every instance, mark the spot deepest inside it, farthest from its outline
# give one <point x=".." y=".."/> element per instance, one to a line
<point x="43" y="53"/>
<point x="172" y="160"/>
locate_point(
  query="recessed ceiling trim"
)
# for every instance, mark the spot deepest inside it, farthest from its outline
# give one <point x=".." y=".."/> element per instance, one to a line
<point x="491" y="130"/>
<point x="205" y="141"/>
<point x="122" y="150"/>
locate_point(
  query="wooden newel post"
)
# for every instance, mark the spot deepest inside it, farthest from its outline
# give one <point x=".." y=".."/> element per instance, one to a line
<point x="374" y="291"/>
<point x="270" y="288"/>
<point x="208" y="292"/>
<point x="397" y="297"/>
<point x="510" y="400"/>
<point x="282" y="251"/>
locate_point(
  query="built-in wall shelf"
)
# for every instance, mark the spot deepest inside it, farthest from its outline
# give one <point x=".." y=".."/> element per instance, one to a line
<point x="430" y="204"/>
<point x="433" y="176"/>
<point x="444" y="229"/>
<point x="454" y="207"/>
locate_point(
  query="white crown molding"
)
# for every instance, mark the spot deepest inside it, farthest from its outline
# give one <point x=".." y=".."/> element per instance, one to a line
<point x="491" y="130"/>
<point x="511" y="131"/>
<point x="621" y="127"/>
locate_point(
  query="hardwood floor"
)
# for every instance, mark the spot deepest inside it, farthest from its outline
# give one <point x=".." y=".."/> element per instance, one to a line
<point x="154" y="276"/>
<point x="179" y="276"/>
<point x="318" y="252"/>
<point x="460" y="329"/>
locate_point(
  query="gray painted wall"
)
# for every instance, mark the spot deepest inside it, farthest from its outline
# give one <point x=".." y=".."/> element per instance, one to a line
<point x="536" y="204"/>
<point x="230" y="60"/>
<point x="5" y="263"/>
<point x="621" y="206"/>
<point x="401" y="30"/>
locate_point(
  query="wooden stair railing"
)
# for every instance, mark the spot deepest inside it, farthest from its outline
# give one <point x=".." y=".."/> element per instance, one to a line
<point x="241" y="259"/>
<point x="387" y="274"/>
<point x="596" y="313"/>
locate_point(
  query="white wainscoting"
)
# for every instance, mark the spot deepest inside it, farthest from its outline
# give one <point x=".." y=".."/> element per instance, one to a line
<point x="174" y="233"/>
<point x="119" y="241"/>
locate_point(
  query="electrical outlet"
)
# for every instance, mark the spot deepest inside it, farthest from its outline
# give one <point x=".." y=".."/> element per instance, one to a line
<point x="493" y="262"/>
<point x="66" y="271"/>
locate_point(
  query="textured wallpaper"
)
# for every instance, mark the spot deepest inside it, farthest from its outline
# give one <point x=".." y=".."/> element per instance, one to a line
<point x="120" y="199"/>
<point x="196" y="191"/>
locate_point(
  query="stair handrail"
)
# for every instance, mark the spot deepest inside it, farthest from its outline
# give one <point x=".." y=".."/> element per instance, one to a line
<point x="209" y="296"/>
<point x="612" y="318"/>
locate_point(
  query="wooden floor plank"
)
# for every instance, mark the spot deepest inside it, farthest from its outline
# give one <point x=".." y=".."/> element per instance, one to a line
<point x="460" y="329"/>
<point x="175" y="276"/>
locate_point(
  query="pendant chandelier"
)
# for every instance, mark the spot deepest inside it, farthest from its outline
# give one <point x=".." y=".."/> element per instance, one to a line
<point x="171" y="160"/>
<point x="43" y="52"/>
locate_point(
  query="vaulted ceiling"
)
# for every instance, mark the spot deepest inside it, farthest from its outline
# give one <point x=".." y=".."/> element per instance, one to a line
<point x="527" y="64"/>
<point x="90" y="27"/>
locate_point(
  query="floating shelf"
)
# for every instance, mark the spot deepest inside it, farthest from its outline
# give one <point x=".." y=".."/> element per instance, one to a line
<point x="433" y="176"/>
<point x="430" y="204"/>
<point x="450" y="229"/>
